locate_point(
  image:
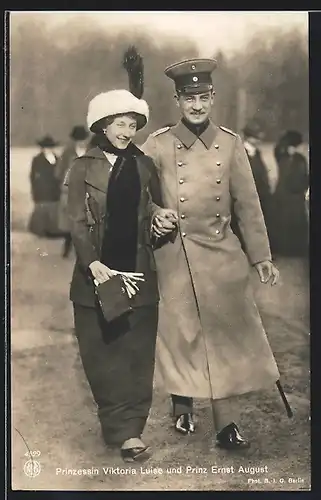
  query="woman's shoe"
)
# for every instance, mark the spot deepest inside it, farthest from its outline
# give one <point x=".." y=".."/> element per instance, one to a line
<point x="136" y="454"/>
<point x="185" y="424"/>
<point x="134" y="450"/>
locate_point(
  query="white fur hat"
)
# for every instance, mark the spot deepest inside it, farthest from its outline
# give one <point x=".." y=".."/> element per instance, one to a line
<point x="116" y="102"/>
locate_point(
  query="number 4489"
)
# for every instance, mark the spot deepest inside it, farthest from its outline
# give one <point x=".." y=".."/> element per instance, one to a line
<point x="33" y="453"/>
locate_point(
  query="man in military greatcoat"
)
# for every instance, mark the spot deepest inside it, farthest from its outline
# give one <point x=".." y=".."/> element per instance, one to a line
<point x="211" y="341"/>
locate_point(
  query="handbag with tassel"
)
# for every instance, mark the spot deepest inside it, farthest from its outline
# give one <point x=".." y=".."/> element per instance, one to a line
<point x="113" y="298"/>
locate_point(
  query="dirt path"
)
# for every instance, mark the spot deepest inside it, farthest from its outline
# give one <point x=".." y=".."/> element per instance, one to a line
<point x="54" y="414"/>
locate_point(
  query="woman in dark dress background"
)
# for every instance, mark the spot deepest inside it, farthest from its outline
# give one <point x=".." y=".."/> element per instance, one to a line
<point x="45" y="189"/>
<point x="110" y="193"/>
<point x="290" y="228"/>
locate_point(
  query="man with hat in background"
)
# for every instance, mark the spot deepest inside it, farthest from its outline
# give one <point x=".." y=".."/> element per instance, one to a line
<point x="253" y="136"/>
<point x="76" y="147"/>
<point x="211" y="341"/>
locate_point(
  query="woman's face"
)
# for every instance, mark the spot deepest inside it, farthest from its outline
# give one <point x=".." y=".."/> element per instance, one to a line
<point x="121" y="131"/>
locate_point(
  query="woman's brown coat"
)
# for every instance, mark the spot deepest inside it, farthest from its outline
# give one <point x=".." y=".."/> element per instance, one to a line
<point x="87" y="190"/>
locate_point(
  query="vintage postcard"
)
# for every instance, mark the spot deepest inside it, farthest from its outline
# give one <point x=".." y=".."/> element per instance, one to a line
<point x="159" y="188"/>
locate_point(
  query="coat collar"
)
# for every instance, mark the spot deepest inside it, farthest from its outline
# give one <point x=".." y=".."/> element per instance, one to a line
<point x="188" y="138"/>
<point x="99" y="170"/>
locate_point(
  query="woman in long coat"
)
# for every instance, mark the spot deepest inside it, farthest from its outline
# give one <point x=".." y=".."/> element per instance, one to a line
<point x="290" y="228"/>
<point x="45" y="190"/>
<point x="109" y="203"/>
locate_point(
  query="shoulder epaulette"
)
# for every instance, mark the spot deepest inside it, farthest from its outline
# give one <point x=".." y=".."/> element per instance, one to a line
<point x="160" y="131"/>
<point x="228" y="131"/>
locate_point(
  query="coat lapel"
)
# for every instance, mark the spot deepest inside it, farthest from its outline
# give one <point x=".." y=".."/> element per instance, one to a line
<point x="98" y="172"/>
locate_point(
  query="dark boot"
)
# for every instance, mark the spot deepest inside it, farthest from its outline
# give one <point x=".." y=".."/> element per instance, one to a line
<point x="229" y="438"/>
<point x="185" y="424"/>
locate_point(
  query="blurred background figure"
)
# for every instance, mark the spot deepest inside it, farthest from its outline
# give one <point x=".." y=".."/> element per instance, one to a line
<point x="93" y="142"/>
<point x="253" y="136"/>
<point x="45" y="190"/>
<point x="290" y="223"/>
<point x="77" y="146"/>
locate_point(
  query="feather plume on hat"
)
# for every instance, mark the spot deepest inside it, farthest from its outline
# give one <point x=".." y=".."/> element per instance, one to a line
<point x="133" y="64"/>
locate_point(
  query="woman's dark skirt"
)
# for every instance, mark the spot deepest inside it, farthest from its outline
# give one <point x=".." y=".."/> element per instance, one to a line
<point x="118" y="359"/>
<point x="44" y="219"/>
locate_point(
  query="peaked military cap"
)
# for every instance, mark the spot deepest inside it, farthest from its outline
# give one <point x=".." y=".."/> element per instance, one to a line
<point x="192" y="76"/>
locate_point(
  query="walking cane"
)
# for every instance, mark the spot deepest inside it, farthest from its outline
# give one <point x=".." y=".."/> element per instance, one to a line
<point x="285" y="401"/>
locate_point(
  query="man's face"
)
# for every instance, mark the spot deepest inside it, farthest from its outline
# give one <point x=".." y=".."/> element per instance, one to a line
<point x="255" y="141"/>
<point x="81" y="144"/>
<point x="195" y="108"/>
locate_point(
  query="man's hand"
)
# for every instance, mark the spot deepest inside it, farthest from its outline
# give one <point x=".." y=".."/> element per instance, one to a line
<point x="164" y="222"/>
<point x="266" y="271"/>
<point x="100" y="272"/>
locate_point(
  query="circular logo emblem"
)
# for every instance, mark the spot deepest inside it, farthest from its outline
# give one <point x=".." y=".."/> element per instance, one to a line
<point x="195" y="79"/>
<point x="32" y="468"/>
<point x="193" y="66"/>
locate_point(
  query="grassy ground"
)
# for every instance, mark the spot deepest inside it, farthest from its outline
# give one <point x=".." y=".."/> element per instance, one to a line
<point x="53" y="410"/>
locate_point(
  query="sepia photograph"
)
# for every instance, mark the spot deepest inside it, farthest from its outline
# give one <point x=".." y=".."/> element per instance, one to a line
<point x="159" y="250"/>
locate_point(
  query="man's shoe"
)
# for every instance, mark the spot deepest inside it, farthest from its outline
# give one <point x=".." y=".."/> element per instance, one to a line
<point x="229" y="438"/>
<point x="185" y="424"/>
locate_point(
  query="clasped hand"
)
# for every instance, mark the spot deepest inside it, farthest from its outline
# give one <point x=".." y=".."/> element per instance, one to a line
<point x="164" y="222"/>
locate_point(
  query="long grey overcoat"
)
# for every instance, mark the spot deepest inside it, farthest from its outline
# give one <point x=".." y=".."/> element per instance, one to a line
<point x="211" y="341"/>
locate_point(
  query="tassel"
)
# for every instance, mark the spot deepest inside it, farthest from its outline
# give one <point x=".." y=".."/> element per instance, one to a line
<point x="133" y="64"/>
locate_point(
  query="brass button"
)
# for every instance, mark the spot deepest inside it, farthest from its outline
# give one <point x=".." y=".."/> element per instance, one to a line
<point x="216" y="146"/>
<point x="182" y="199"/>
<point x="217" y="231"/>
<point x="218" y="181"/>
<point x="218" y="216"/>
<point x="180" y="163"/>
<point x="184" y="234"/>
<point x="179" y="146"/>
<point x="218" y="198"/>
<point x="181" y="181"/>
<point x="218" y="163"/>
<point x="183" y="216"/>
